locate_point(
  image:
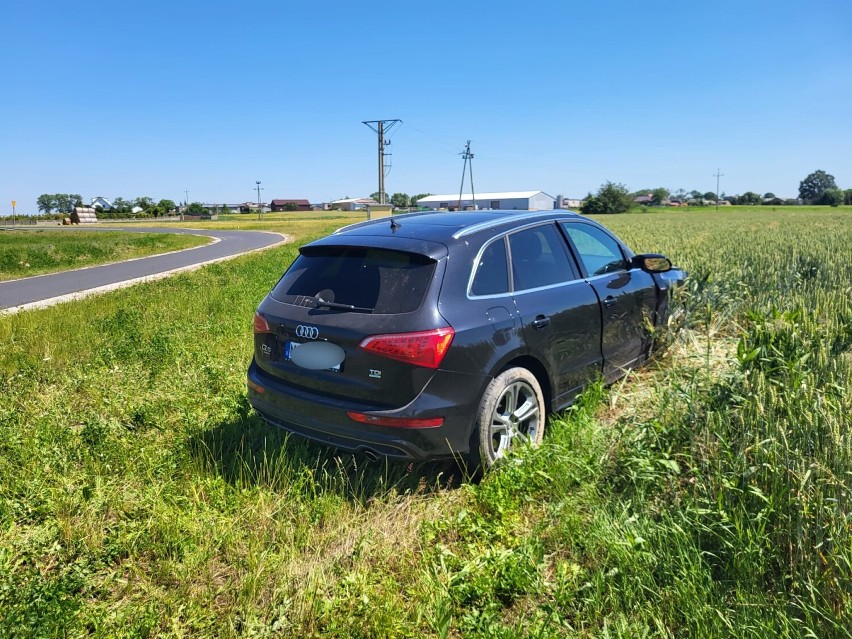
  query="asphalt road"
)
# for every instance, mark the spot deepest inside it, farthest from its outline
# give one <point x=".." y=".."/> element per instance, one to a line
<point x="46" y="290"/>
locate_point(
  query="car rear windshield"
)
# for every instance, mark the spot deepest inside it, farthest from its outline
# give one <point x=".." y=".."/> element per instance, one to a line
<point x="370" y="279"/>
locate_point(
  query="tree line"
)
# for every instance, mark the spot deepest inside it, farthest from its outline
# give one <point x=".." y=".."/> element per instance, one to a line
<point x="62" y="204"/>
<point x="817" y="188"/>
<point x="401" y="200"/>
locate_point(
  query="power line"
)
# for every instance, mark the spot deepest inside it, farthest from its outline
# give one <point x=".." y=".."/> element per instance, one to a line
<point x="718" y="174"/>
<point x="381" y="128"/>
<point x="468" y="157"/>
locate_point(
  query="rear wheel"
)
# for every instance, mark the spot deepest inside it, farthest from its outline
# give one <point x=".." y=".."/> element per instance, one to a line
<point x="511" y="412"/>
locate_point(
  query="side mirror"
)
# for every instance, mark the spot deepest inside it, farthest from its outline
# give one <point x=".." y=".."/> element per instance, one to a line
<point x="652" y="262"/>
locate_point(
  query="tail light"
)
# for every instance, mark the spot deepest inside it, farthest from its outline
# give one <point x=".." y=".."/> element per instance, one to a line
<point x="422" y="348"/>
<point x="396" y="422"/>
<point x="260" y="324"/>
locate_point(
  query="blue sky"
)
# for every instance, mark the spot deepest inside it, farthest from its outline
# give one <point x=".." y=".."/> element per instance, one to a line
<point x="152" y="98"/>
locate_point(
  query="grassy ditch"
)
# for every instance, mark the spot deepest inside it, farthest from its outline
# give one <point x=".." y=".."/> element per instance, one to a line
<point x="33" y="252"/>
<point x="707" y="495"/>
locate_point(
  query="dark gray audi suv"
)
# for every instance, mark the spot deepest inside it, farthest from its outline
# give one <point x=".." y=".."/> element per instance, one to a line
<point x="439" y="334"/>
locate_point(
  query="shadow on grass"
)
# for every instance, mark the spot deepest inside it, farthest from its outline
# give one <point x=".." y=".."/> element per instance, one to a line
<point x="246" y="451"/>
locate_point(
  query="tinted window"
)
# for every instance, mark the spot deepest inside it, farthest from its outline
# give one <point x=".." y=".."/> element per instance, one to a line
<point x="378" y="279"/>
<point x="539" y="258"/>
<point x="492" y="272"/>
<point x="598" y="252"/>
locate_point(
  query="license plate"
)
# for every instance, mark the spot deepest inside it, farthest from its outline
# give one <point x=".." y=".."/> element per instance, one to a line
<point x="289" y="347"/>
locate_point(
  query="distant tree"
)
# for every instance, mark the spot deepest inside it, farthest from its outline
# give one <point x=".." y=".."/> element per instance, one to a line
<point x="165" y="206"/>
<point x="291" y="206"/>
<point x="660" y="195"/>
<point x="610" y="198"/>
<point x="121" y="207"/>
<point x="847" y="196"/>
<point x="832" y="197"/>
<point x="376" y="196"/>
<point x="709" y="196"/>
<point x="750" y="198"/>
<point x="413" y="199"/>
<point x="400" y="200"/>
<point x="65" y="202"/>
<point x="695" y="195"/>
<point x="143" y="203"/>
<point x="195" y="209"/>
<point x="812" y="188"/>
<point x="679" y="194"/>
<point x="769" y="196"/>
<point x="46" y="203"/>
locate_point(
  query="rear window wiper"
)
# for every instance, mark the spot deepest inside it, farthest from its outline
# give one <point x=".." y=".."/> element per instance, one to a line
<point x="320" y="302"/>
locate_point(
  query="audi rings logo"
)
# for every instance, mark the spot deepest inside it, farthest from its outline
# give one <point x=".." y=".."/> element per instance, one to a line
<point x="307" y="332"/>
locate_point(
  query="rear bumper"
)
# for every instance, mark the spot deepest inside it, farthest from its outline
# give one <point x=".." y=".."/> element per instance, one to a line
<point x="452" y="396"/>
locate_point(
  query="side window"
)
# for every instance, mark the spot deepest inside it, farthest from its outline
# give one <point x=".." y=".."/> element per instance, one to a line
<point x="539" y="258"/>
<point x="598" y="252"/>
<point x="492" y="271"/>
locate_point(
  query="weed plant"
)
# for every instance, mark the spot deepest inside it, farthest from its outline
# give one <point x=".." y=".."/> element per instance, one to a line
<point x="708" y="495"/>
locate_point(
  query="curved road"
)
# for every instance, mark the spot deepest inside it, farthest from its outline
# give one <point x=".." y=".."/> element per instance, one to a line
<point x="46" y="290"/>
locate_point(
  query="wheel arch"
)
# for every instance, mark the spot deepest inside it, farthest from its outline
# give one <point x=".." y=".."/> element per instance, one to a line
<point x="538" y="369"/>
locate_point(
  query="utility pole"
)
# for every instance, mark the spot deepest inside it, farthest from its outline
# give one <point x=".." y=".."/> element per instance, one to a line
<point x="468" y="156"/>
<point x="185" y="203"/>
<point x="381" y="127"/>
<point x="718" y="174"/>
<point x="259" y="207"/>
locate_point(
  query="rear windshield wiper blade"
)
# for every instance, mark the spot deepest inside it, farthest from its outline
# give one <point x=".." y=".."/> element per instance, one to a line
<point x="320" y="302"/>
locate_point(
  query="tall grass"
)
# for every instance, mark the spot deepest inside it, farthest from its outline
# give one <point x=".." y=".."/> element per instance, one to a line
<point x="32" y="252"/>
<point x="707" y="495"/>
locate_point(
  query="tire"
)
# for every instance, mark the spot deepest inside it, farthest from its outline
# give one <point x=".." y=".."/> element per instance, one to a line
<point x="511" y="410"/>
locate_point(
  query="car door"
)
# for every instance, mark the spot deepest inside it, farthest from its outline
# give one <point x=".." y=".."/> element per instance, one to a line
<point x="627" y="295"/>
<point x="559" y="311"/>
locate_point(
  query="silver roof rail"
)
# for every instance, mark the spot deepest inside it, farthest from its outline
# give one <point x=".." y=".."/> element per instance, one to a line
<point x="505" y="219"/>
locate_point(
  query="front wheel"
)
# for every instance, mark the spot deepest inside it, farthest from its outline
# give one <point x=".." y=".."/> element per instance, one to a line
<point x="511" y="411"/>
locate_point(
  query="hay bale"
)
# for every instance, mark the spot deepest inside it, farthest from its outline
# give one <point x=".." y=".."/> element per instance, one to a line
<point x="84" y="215"/>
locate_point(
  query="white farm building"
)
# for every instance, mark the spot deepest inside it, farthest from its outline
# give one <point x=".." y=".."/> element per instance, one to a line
<point x="509" y="200"/>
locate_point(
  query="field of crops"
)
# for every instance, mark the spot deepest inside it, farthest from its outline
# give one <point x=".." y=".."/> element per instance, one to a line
<point x="34" y="252"/>
<point x="708" y="495"/>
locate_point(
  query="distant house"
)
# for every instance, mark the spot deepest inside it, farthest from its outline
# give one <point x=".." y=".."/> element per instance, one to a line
<point x="644" y="199"/>
<point x="102" y="203"/>
<point x="282" y="205"/>
<point x="352" y="204"/>
<point x="571" y="203"/>
<point x="506" y="200"/>
<point x="250" y="207"/>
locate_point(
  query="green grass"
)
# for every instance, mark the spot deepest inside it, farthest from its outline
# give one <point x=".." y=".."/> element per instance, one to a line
<point x="33" y="252"/>
<point x="707" y="496"/>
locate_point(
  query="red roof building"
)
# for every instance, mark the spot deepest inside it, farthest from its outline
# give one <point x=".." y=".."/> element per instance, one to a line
<point x="282" y="205"/>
